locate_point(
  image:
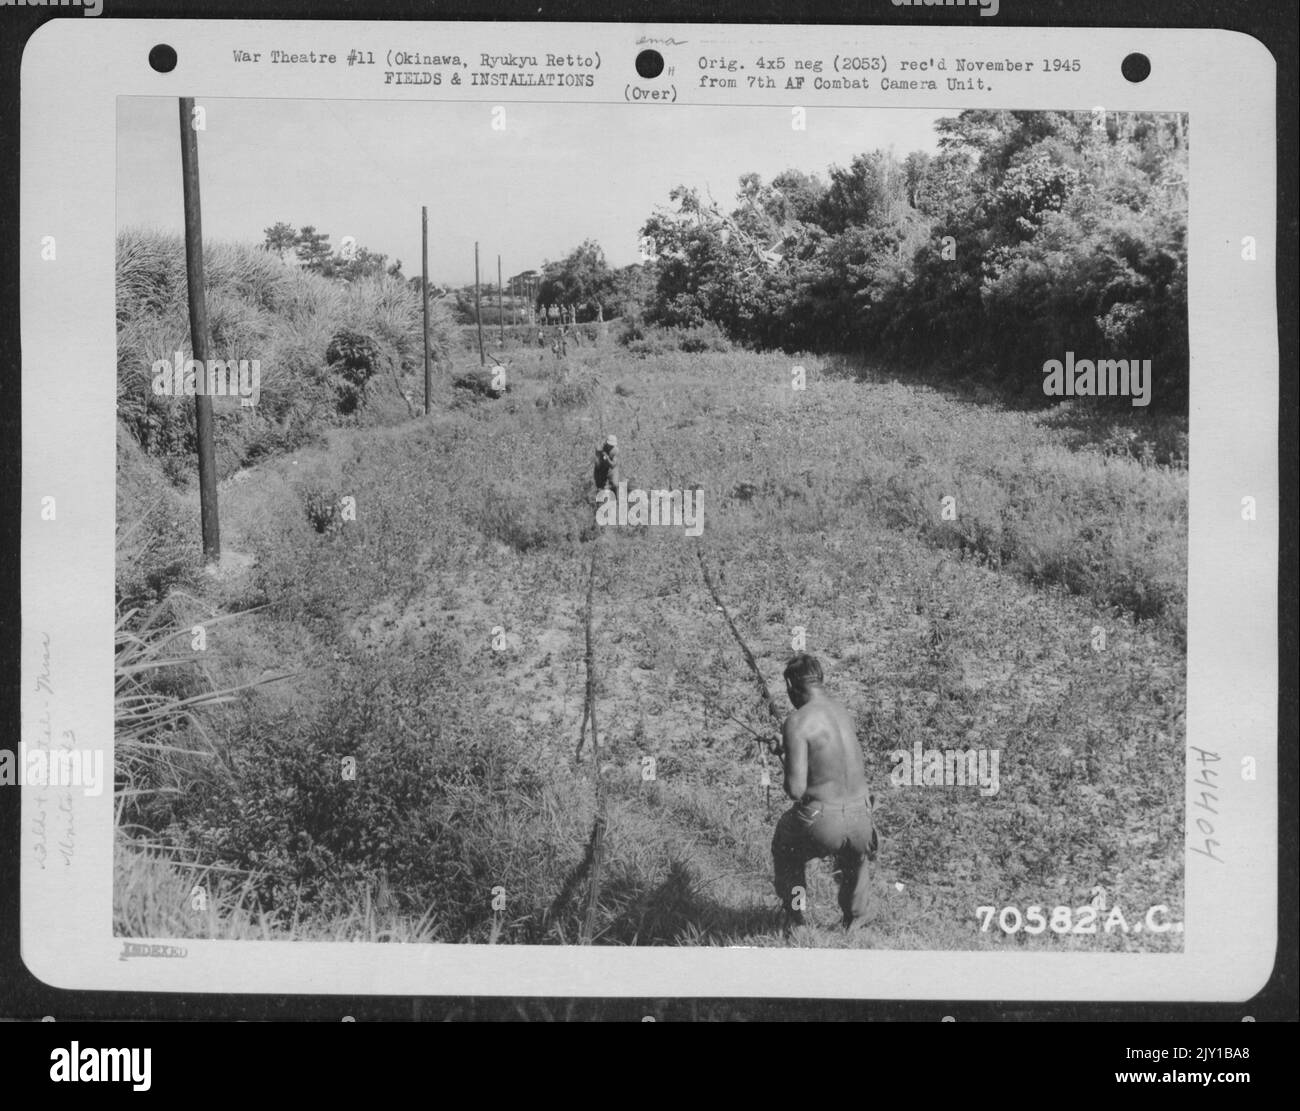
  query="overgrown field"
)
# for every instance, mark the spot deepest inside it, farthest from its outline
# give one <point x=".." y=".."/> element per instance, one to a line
<point x="436" y="640"/>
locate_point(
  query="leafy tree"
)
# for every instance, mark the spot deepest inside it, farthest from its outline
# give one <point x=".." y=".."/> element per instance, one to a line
<point x="280" y="238"/>
<point x="363" y="263"/>
<point x="630" y="290"/>
<point x="800" y="194"/>
<point x="582" y="278"/>
<point x="864" y="193"/>
<point x="313" y="249"/>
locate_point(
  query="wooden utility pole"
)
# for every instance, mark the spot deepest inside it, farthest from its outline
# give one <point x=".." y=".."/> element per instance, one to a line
<point x="199" y="332"/>
<point x="424" y="287"/>
<point x="501" y="308"/>
<point x="478" y="312"/>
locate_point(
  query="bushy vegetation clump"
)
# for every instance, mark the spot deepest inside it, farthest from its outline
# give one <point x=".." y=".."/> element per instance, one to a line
<point x="329" y="352"/>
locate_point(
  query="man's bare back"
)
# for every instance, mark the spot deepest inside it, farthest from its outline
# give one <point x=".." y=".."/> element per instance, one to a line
<point x="823" y="759"/>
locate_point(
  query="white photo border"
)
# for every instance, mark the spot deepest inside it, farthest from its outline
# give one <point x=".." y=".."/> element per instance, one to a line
<point x="1225" y="81"/>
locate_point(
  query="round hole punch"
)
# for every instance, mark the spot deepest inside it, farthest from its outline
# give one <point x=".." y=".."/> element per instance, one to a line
<point x="1136" y="67"/>
<point x="162" y="58"/>
<point x="649" y="63"/>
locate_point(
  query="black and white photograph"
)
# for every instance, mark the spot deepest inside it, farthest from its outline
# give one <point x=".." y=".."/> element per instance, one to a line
<point x="571" y="517"/>
<point x="568" y="530"/>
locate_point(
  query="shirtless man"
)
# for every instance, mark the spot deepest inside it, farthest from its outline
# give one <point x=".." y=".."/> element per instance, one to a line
<point x="825" y="775"/>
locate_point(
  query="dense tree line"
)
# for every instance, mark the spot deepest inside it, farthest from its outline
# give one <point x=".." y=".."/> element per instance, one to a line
<point x="1027" y="234"/>
<point x="585" y="280"/>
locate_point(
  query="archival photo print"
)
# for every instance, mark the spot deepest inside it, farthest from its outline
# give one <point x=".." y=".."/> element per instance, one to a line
<point x="556" y="524"/>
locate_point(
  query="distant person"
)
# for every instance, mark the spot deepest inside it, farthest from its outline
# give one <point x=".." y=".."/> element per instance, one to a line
<point x="541" y="338"/>
<point x="606" y="471"/>
<point x="826" y="776"/>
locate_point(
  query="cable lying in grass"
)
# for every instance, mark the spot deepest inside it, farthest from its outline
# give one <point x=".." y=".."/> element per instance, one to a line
<point x="589" y="699"/>
<point x="768" y="700"/>
<point x="597" y="842"/>
<point x="765" y="746"/>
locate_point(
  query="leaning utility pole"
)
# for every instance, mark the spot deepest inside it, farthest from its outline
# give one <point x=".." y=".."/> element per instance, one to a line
<point x="199" y="332"/>
<point x="501" y="310"/>
<point x="478" y="313"/>
<point x="424" y="288"/>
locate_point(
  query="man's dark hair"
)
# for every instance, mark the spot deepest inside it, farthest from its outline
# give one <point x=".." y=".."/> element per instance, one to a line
<point x="803" y="671"/>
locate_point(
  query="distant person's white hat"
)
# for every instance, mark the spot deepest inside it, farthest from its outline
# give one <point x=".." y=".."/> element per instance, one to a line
<point x="611" y="440"/>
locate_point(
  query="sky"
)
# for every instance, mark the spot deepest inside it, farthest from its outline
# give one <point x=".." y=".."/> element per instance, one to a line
<point x="556" y="175"/>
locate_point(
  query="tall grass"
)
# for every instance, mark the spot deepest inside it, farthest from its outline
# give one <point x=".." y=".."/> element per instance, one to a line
<point x="163" y="750"/>
<point x="161" y="744"/>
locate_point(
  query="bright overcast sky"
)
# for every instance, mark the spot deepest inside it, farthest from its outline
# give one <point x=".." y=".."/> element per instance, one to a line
<point x="557" y="174"/>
